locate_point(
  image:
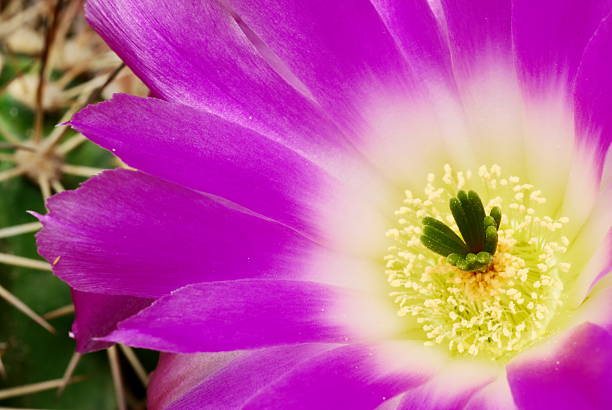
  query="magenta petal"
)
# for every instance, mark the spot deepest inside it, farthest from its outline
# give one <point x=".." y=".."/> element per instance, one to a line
<point x="494" y="396"/>
<point x="222" y="380"/>
<point x="415" y="29"/>
<point x="177" y="374"/>
<point x="127" y="233"/>
<point x="577" y="375"/>
<point x="422" y="399"/>
<point x="241" y="314"/>
<point x="597" y="308"/>
<point x="349" y="377"/>
<point x="545" y="49"/>
<point x="340" y="50"/>
<point x="97" y="315"/>
<point x="593" y="95"/>
<point x="196" y="53"/>
<point x="606" y="269"/>
<point x="452" y="387"/>
<point x="478" y="30"/>
<point x="204" y="152"/>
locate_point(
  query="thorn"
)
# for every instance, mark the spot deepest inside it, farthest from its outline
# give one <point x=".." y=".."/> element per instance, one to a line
<point x="13" y="300"/>
<point x="56" y="136"/>
<point x="45" y="187"/>
<point x="79" y="170"/>
<point x="57" y="186"/>
<point x="59" y="312"/>
<point x="113" y="359"/>
<point x="72" y="364"/>
<point x="19" y="229"/>
<point x="15" y="260"/>
<point x="70" y="144"/>
<point x="9" y="136"/>
<point x="136" y="365"/>
<point x="2" y="368"/>
<point x="62" y="129"/>
<point x="35" y="387"/>
<point x="11" y="173"/>
<point x="7" y="157"/>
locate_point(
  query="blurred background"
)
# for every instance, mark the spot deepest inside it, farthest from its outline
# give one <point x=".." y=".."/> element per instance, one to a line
<point x="51" y="65"/>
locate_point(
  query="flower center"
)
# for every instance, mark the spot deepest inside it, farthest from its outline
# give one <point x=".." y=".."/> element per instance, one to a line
<point x="491" y="292"/>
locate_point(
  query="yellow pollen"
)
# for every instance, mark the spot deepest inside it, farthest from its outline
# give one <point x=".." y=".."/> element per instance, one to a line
<point x="494" y="313"/>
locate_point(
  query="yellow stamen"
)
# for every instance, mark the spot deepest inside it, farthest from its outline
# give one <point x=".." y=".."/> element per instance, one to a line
<point x="495" y="313"/>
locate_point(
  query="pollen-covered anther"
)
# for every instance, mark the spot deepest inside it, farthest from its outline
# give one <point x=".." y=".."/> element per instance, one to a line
<point x="506" y="305"/>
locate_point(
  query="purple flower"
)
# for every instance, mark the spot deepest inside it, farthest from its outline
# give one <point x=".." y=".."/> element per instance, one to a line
<point x="274" y="231"/>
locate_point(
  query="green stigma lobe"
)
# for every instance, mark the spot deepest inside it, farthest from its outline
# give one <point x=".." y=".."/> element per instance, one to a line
<point x="440" y="238"/>
<point x="490" y="245"/>
<point x="496" y="215"/>
<point x="479" y="232"/>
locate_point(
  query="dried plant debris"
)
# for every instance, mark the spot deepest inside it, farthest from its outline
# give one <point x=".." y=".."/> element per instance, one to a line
<point x="51" y="65"/>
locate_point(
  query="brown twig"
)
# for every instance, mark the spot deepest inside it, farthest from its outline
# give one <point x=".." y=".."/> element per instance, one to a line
<point x="42" y="74"/>
<point x="93" y="96"/>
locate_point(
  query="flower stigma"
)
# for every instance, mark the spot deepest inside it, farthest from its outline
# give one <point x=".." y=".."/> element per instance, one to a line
<point x="475" y="251"/>
<point x="491" y="292"/>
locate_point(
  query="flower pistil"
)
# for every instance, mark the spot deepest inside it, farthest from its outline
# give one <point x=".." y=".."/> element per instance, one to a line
<point x="479" y="232"/>
<point x="496" y="291"/>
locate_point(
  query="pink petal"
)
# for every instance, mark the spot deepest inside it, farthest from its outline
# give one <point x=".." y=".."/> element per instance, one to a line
<point x="452" y="387"/>
<point x="575" y="373"/>
<point x="222" y="380"/>
<point x="591" y="249"/>
<point x="593" y="95"/>
<point x="341" y="51"/>
<point x="597" y="308"/>
<point x="494" y="396"/>
<point x="97" y="315"/>
<point x="479" y="32"/>
<point x="243" y="314"/>
<point x="352" y="377"/>
<point x="127" y="233"/>
<point x="197" y="54"/>
<point x="548" y="53"/>
<point x="296" y="377"/>
<point x="415" y="29"/>
<point x="204" y="152"/>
